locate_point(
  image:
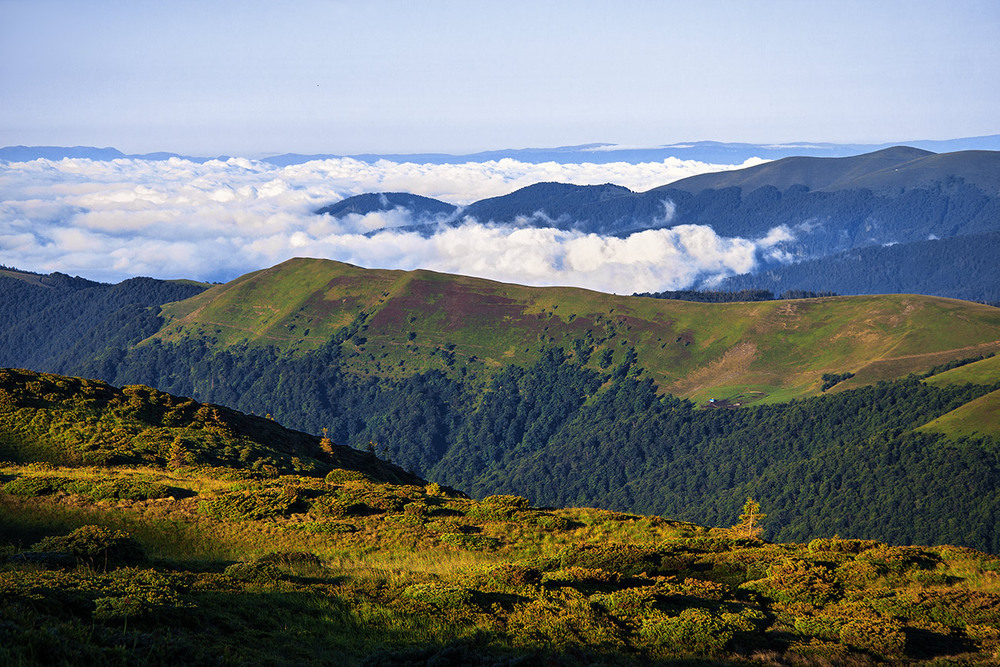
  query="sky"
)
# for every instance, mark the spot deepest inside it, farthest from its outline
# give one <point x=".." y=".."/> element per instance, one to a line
<point x="250" y="78"/>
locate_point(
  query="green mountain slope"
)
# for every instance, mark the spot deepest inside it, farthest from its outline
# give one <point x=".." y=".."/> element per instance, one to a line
<point x="396" y="323"/>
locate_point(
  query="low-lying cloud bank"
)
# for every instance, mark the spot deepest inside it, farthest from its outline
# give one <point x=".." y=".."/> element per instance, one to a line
<point x="177" y="219"/>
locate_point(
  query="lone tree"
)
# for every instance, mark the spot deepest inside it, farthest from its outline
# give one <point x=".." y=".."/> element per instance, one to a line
<point x="750" y="519"/>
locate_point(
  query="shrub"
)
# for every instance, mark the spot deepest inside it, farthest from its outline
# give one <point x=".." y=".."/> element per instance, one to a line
<point x="439" y="595"/>
<point x="136" y="593"/>
<point x="860" y="574"/>
<point x="119" y="489"/>
<point x="336" y="507"/>
<point x="512" y="502"/>
<point x="30" y="487"/>
<point x="511" y="574"/>
<point x="339" y="476"/>
<point x="255" y="572"/>
<point x="552" y="522"/>
<point x="900" y="559"/>
<point x="746" y="620"/>
<point x="112" y="608"/>
<point x="986" y="636"/>
<point x="563" y="622"/>
<point x="95" y="547"/>
<point x="104" y="489"/>
<point x="837" y="545"/>
<point x="471" y="542"/>
<point x="589" y="575"/>
<point x="930" y="578"/>
<point x="882" y="637"/>
<point x="823" y="627"/>
<point x="625" y="559"/>
<point x="415" y="509"/>
<point x="793" y="580"/>
<point x="249" y="505"/>
<point x="404" y="519"/>
<point x="629" y="604"/>
<point x="498" y="508"/>
<point x="693" y="632"/>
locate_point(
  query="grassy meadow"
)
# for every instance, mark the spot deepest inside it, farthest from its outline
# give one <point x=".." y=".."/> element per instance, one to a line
<point x="398" y="323"/>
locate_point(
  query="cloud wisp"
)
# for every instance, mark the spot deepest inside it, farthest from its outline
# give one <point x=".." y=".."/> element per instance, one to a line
<point x="111" y="220"/>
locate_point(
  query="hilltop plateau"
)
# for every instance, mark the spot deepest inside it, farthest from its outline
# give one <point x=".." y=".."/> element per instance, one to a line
<point x="396" y="323"/>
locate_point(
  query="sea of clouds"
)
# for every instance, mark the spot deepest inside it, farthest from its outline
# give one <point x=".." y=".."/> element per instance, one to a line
<point x="112" y="220"/>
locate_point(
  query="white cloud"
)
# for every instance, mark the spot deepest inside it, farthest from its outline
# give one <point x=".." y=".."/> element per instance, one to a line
<point x="110" y="220"/>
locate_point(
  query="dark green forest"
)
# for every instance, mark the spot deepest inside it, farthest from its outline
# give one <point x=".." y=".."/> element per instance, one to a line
<point x="50" y="325"/>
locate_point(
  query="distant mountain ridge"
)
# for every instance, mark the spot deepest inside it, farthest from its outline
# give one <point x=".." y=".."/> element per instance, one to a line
<point x="374" y="202"/>
<point x="891" y="168"/>
<point x="29" y="153"/>
<point x="600" y="153"/>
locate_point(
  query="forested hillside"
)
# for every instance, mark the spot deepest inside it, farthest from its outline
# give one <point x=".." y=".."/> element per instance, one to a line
<point x="564" y="434"/>
<point x="963" y="267"/>
<point x="50" y="321"/>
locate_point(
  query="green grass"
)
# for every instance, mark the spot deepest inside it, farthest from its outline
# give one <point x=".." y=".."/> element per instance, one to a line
<point x="398" y="323"/>
<point x="978" y="417"/>
<point x="985" y="371"/>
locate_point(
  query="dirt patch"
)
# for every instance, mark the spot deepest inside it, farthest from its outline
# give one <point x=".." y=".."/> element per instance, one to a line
<point x="736" y="361"/>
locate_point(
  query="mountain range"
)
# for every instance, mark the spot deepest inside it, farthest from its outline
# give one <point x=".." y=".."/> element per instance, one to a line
<point x="138" y="527"/>
<point x="821" y="209"/>
<point x="631" y="403"/>
<point x="261" y="471"/>
<point x="714" y="152"/>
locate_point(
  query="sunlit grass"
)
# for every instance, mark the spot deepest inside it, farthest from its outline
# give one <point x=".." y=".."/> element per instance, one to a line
<point x="356" y="569"/>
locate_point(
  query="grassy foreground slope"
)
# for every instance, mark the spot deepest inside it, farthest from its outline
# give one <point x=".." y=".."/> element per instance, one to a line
<point x="399" y="323"/>
<point x="163" y="561"/>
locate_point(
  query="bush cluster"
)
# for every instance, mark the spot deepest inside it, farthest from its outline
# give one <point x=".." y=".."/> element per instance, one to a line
<point x="96" y="547"/>
<point x="114" y="488"/>
<point x="250" y="504"/>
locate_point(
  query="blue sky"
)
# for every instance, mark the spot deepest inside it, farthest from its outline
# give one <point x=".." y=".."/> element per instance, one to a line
<point x="249" y="78"/>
